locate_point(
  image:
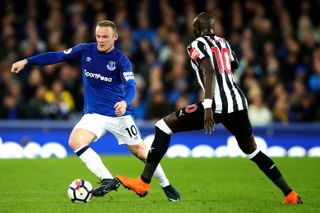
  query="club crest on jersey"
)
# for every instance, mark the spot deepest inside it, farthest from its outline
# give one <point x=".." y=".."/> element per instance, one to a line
<point x="88" y="59"/>
<point x="67" y="51"/>
<point x="111" y="65"/>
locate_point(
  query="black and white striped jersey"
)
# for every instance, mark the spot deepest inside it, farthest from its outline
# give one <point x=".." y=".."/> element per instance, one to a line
<point x="228" y="97"/>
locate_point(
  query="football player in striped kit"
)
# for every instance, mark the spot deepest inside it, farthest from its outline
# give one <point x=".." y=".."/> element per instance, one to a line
<point x="213" y="61"/>
<point x="109" y="88"/>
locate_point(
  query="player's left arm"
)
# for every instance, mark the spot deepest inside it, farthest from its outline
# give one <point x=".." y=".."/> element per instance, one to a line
<point x="129" y="83"/>
<point x="199" y="54"/>
<point x="233" y="58"/>
<point x="209" y="85"/>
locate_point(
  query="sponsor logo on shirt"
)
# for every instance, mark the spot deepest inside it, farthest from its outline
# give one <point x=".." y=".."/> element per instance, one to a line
<point x="194" y="54"/>
<point x="67" y="51"/>
<point x="128" y="75"/>
<point x="111" y="65"/>
<point x="97" y="76"/>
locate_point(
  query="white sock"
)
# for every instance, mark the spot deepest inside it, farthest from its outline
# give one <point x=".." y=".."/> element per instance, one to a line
<point x="161" y="176"/>
<point x="94" y="163"/>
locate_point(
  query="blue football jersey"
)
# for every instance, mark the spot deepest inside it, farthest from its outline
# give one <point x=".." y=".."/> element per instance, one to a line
<point x="107" y="76"/>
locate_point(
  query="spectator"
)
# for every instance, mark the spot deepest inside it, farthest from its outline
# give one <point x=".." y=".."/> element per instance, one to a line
<point x="38" y="107"/>
<point x="281" y="111"/>
<point x="10" y="109"/>
<point x="158" y="106"/>
<point x="276" y="42"/>
<point x="60" y="100"/>
<point x="258" y="113"/>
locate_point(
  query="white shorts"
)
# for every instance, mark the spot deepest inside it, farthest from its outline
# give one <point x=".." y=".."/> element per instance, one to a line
<point x="123" y="128"/>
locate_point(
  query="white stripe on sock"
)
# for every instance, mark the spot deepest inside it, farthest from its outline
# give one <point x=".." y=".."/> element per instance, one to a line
<point x="250" y="156"/>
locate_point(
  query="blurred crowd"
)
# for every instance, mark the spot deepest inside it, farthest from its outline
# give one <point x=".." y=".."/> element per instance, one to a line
<point x="276" y="42"/>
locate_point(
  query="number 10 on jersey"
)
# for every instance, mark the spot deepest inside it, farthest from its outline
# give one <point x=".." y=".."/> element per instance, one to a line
<point x="223" y="59"/>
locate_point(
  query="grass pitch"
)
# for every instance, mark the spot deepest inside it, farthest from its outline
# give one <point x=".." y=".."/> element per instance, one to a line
<point x="205" y="184"/>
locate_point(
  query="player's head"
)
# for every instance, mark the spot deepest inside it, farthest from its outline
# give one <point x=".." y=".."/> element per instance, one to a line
<point x="106" y="34"/>
<point x="203" y="24"/>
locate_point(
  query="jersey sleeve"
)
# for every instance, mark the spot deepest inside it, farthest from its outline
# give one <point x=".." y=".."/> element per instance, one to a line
<point x="197" y="51"/>
<point x="56" y="57"/>
<point x="233" y="58"/>
<point x="74" y="53"/>
<point x="128" y="79"/>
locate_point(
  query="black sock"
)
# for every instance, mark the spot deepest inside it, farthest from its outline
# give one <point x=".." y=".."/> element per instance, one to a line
<point x="148" y="172"/>
<point x="271" y="171"/>
<point x="158" y="149"/>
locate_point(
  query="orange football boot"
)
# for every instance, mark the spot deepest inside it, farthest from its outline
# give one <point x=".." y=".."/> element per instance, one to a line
<point x="135" y="184"/>
<point x="292" y="198"/>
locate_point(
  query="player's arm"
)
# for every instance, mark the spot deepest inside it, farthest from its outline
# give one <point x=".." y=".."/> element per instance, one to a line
<point x="18" y="66"/>
<point x="121" y="106"/>
<point x="233" y="58"/>
<point x="129" y="87"/>
<point x="209" y="85"/>
<point x="198" y="53"/>
<point x="235" y="62"/>
<point x="48" y="58"/>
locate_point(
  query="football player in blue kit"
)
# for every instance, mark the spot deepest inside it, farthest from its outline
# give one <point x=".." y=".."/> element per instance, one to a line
<point x="109" y="88"/>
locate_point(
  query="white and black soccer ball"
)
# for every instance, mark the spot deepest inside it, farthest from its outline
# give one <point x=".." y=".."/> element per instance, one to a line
<point x="80" y="191"/>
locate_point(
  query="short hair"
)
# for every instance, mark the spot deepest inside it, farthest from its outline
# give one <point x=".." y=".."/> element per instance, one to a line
<point x="107" y="23"/>
<point x="206" y="20"/>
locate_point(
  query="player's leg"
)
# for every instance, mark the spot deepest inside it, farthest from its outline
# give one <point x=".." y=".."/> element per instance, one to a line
<point x="86" y="131"/>
<point x="189" y="118"/>
<point x="186" y="119"/>
<point x="242" y="130"/>
<point x="79" y="141"/>
<point x="141" y="152"/>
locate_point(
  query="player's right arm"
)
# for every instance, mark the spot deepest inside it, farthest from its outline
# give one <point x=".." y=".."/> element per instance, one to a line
<point x="49" y="58"/>
<point x="18" y="66"/>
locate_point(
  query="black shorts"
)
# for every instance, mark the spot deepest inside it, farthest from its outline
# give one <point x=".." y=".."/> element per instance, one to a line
<point x="237" y="123"/>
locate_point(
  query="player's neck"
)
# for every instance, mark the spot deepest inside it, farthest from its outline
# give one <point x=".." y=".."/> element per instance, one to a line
<point x="208" y="32"/>
<point x="107" y="50"/>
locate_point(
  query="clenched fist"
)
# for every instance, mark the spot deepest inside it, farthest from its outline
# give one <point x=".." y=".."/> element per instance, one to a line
<point x="18" y="66"/>
<point x="120" y="108"/>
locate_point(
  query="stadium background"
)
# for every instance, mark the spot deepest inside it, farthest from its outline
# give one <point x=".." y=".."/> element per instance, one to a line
<point x="277" y="43"/>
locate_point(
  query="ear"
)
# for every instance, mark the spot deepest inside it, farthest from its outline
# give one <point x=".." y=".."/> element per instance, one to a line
<point x="115" y="36"/>
<point x="196" y="29"/>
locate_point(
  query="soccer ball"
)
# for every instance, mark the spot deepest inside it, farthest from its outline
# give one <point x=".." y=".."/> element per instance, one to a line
<point x="80" y="191"/>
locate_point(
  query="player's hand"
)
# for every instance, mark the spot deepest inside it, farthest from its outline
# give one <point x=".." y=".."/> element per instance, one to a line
<point x="208" y="121"/>
<point x="18" y="66"/>
<point x="120" y="108"/>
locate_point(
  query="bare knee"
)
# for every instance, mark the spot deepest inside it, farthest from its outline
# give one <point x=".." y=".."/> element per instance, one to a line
<point x="73" y="141"/>
<point x="79" y="138"/>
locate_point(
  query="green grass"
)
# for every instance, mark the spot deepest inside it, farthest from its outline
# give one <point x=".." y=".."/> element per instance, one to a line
<point x="206" y="185"/>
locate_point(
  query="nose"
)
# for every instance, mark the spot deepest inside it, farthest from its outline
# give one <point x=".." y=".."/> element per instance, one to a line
<point x="100" y="40"/>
